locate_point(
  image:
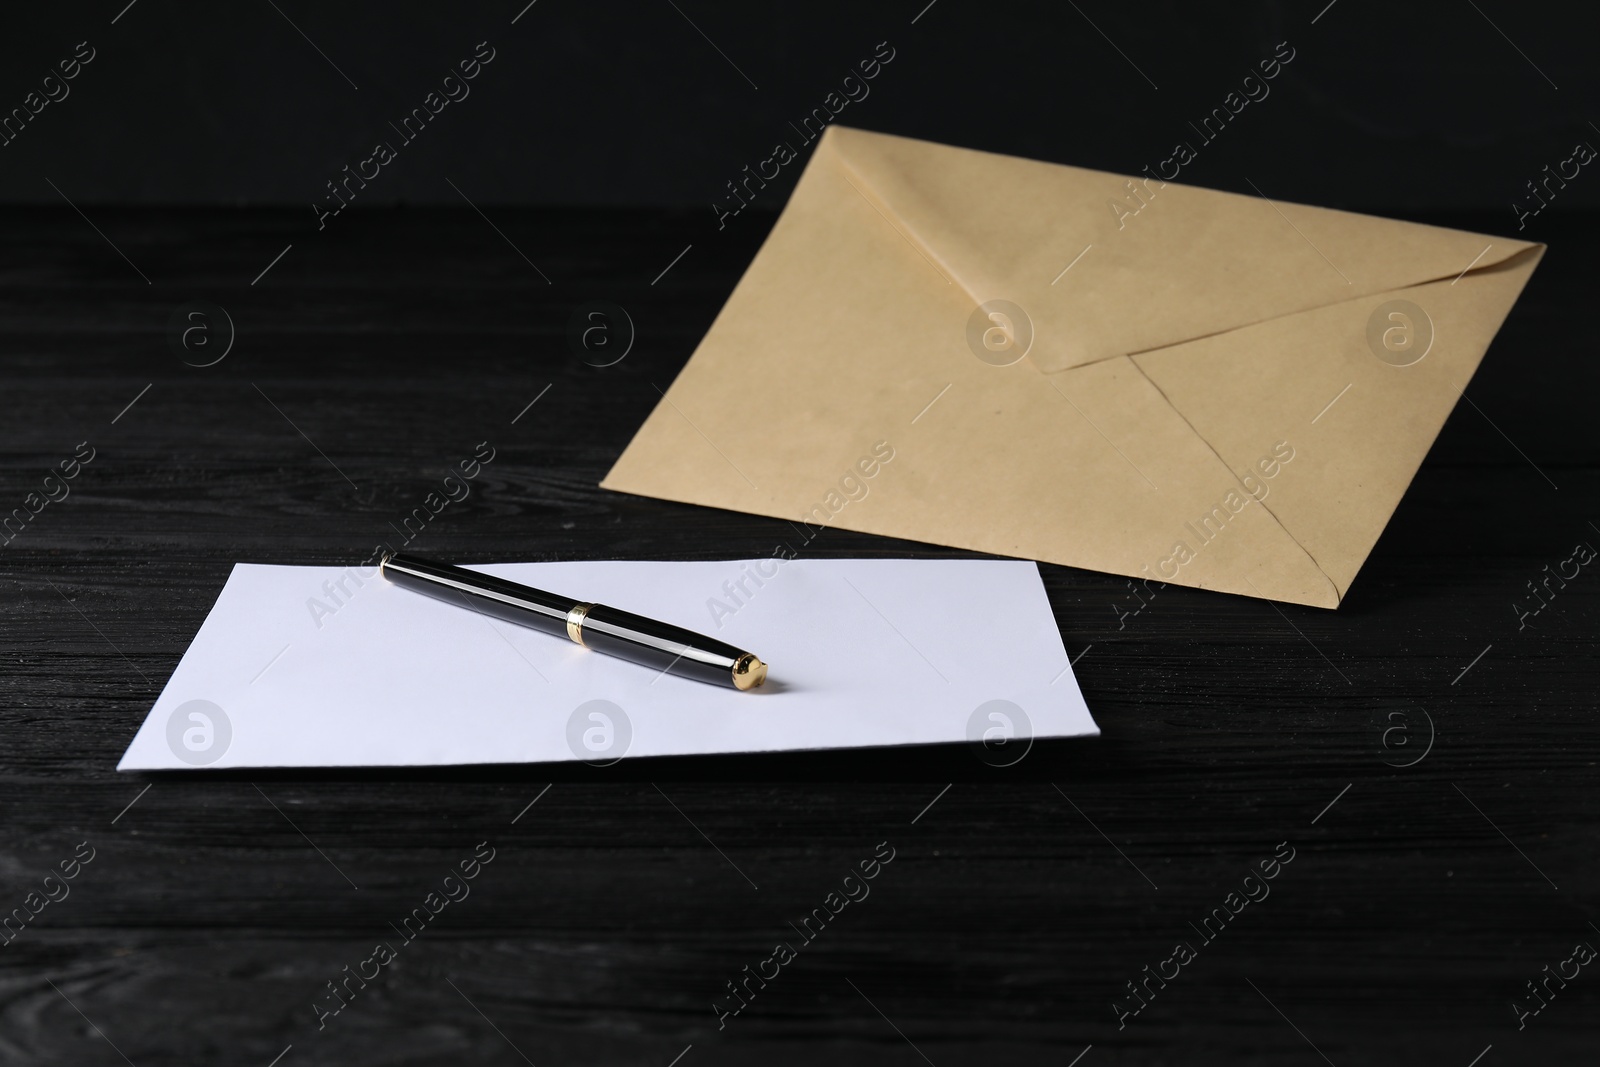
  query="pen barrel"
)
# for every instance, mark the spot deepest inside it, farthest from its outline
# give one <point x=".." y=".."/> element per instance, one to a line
<point x="482" y="593"/>
<point x="666" y="648"/>
<point x="622" y="634"/>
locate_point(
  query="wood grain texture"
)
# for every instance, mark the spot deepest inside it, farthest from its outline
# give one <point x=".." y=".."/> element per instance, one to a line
<point x="218" y="906"/>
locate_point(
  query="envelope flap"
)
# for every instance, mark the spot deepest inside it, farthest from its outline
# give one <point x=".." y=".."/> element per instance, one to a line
<point x="1105" y="265"/>
<point x="1357" y="424"/>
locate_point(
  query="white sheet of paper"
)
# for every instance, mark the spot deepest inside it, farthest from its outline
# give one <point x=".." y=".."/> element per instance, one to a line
<point x="862" y="653"/>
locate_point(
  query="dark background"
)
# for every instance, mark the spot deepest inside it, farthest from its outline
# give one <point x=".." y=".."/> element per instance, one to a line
<point x="1431" y="762"/>
<point x="1424" y="105"/>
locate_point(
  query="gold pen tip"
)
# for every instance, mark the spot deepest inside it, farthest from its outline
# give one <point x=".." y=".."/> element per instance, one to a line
<point x="748" y="672"/>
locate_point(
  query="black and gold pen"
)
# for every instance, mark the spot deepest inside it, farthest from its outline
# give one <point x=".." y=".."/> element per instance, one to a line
<point x="669" y="649"/>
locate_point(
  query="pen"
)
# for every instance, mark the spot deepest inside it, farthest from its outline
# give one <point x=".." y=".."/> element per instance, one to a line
<point x="623" y="634"/>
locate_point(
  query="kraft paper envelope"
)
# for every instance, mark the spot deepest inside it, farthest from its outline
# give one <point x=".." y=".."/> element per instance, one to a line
<point x="1222" y="391"/>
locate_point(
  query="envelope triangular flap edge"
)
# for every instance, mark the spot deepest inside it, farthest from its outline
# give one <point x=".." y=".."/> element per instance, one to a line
<point x="1172" y="263"/>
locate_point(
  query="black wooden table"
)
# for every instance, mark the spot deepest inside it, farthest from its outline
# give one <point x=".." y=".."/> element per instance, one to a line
<point x="1425" y="755"/>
